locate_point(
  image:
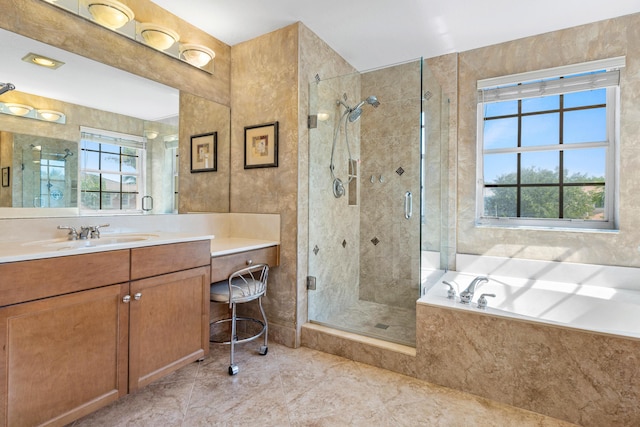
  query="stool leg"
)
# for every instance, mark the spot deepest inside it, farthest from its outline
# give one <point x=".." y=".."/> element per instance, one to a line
<point x="264" y="348"/>
<point x="233" y="368"/>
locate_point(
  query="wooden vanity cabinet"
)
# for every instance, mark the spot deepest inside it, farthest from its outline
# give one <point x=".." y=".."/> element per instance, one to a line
<point x="169" y="324"/>
<point x="65" y="349"/>
<point x="222" y="266"/>
<point x="77" y="332"/>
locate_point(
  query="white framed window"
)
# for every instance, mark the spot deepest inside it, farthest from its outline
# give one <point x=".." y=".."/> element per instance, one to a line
<point x="112" y="171"/>
<point x="547" y="147"/>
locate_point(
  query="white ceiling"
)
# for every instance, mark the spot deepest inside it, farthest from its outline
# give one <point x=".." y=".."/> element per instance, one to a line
<point x="375" y="33"/>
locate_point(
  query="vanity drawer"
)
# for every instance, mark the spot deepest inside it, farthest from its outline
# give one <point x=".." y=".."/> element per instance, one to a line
<point x="30" y="280"/>
<point x="155" y="260"/>
<point x="223" y="266"/>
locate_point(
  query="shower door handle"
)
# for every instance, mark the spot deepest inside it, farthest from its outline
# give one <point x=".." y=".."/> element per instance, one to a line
<point x="408" y="205"/>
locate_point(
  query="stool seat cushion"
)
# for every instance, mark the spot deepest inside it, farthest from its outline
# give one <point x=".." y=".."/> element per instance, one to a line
<point x="241" y="290"/>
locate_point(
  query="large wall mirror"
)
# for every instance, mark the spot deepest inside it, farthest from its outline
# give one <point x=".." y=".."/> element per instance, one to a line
<point x="114" y="149"/>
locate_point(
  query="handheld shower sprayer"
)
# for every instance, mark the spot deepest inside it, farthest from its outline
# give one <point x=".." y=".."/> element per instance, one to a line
<point x="349" y="115"/>
<point x="6" y="87"/>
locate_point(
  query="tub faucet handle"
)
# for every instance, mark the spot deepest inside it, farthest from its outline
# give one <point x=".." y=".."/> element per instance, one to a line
<point x="482" y="301"/>
<point x="451" y="293"/>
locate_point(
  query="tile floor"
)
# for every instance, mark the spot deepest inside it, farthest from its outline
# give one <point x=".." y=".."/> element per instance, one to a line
<point x="301" y="387"/>
<point x="369" y="319"/>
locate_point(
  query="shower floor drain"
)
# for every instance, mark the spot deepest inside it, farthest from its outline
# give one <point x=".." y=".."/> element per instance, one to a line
<point x="381" y="326"/>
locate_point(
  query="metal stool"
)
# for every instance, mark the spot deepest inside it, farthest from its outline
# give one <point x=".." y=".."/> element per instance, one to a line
<point x="244" y="285"/>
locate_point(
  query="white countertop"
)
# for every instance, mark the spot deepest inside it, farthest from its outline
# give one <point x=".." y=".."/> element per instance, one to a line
<point x="232" y="245"/>
<point x="11" y="251"/>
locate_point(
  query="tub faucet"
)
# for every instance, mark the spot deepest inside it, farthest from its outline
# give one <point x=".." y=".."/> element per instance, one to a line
<point x="467" y="295"/>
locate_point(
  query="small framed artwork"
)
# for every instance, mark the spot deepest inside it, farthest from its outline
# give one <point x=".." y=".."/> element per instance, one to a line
<point x="261" y="146"/>
<point x="5" y="176"/>
<point x="204" y="152"/>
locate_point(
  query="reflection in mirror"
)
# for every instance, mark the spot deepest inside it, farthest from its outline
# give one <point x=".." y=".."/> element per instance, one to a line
<point x="45" y="172"/>
<point x="88" y="94"/>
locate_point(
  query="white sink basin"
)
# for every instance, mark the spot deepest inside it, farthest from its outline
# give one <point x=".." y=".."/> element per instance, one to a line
<point x="105" y="240"/>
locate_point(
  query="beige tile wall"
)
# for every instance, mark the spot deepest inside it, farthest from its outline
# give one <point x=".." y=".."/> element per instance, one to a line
<point x="605" y="39"/>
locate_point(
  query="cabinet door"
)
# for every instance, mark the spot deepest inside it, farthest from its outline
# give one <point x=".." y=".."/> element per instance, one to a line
<point x="63" y="357"/>
<point x="169" y="324"/>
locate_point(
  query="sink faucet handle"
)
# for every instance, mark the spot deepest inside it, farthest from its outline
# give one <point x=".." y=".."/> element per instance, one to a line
<point x="73" y="233"/>
<point x="95" y="230"/>
<point x="482" y="301"/>
<point x="451" y="293"/>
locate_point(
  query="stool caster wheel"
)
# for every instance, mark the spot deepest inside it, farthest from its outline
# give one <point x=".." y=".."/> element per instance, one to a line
<point x="263" y="350"/>
<point x="233" y="369"/>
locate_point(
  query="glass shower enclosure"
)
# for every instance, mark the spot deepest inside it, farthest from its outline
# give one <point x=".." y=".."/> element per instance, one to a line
<point x="367" y="171"/>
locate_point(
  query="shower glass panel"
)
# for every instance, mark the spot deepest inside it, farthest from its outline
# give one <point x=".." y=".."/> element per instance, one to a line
<point x="48" y="171"/>
<point x="365" y="238"/>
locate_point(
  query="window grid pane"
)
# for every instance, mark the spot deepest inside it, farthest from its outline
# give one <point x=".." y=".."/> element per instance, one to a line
<point x="110" y="177"/>
<point x="537" y="189"/>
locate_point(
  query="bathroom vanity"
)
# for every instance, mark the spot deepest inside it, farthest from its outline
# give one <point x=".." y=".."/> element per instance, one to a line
<point x="79" y="331"/>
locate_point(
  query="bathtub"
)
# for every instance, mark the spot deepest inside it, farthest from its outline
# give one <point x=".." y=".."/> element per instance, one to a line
<point x="586" y="307"/>
<point x="558" y="339"/>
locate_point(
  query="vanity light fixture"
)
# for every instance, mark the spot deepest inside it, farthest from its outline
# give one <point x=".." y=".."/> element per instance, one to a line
<point x="151" y="134"/>
<point x="43" y="61"/>
<point x="196" y="55"/>
<point x="110" y="13"/>
<point x="158" y="37"/>
<point x="323" y="116"/>
<point x="50" y="115"/>
<point x="19" y="109"/>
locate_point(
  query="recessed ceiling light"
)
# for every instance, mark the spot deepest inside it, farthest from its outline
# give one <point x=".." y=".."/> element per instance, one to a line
<point x="43" y="61"/>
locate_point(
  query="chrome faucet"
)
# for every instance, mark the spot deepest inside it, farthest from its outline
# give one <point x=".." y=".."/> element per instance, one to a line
<point x="467" y="295"/>
<point x="91" y="232"/>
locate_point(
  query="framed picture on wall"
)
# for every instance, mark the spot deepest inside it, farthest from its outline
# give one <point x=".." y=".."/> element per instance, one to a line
<point x="5" y="176"/>
<point x="261" y="146"/>
<point x="204" y="152"/>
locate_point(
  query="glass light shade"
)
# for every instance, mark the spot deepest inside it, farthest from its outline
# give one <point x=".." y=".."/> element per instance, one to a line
<point x="19" y="109"/>
<point x="158" y="37"/>
<point x="196" y="55"/>
<point x="151" y="134"/>
<point x="323" y="116"/>
<point x="50" y="115"/>
<point x="110" y="13"/>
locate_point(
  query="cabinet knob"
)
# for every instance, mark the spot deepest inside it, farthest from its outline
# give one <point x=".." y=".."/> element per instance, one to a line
<point x="126" y="298"/>
<point x="249" y="261"/>
<point x="137" y="296"/>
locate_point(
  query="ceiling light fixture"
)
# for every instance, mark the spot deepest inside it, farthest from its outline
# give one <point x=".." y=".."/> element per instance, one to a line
<point x="196" y="55"/>
<point x="158" y="37"/>
<point x="43" y="61"/>
<point x="19" y="109"/>
<point x="50" y="115"/>
<point x="110" y="13"/>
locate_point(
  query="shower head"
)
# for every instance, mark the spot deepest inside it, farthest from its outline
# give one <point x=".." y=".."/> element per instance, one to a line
<point x="6" y="87"/>
<point x="356" y="112"/>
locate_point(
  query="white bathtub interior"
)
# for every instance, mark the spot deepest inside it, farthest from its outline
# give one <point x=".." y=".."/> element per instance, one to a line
<point x="591" y="297"/>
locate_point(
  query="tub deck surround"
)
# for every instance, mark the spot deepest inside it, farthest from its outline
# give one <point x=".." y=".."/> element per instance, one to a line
<point x="585" y="378"/>
<point x="568" y="350"/>
<point x="586" y="307"/>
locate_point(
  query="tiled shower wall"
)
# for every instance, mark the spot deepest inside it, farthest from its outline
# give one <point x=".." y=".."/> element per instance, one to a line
<point x="390" y="167"/>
